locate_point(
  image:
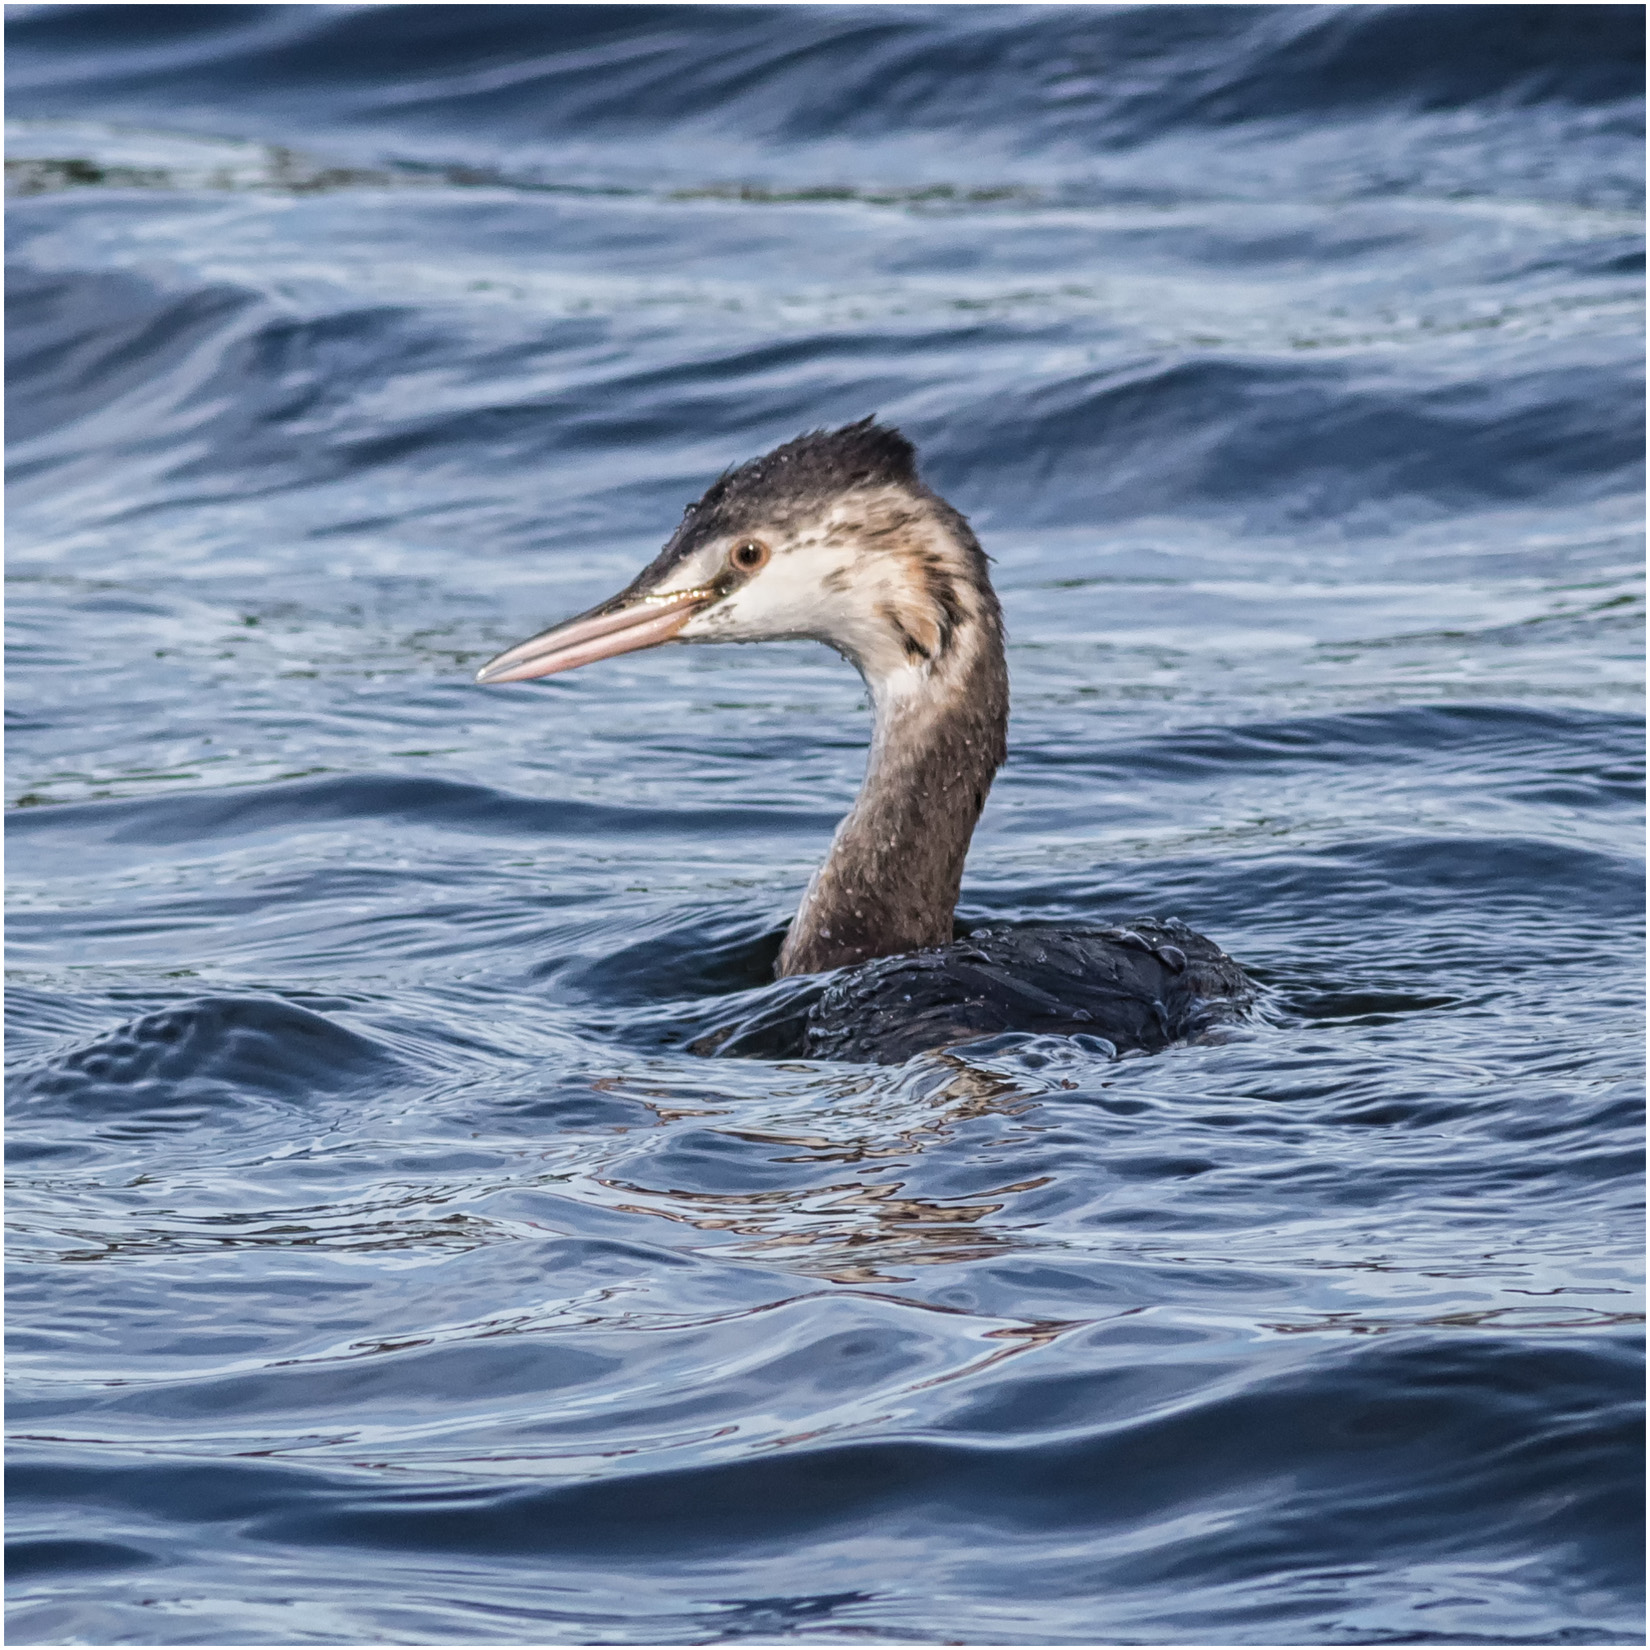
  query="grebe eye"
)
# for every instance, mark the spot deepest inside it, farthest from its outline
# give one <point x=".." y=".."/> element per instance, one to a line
<point x="750" y="555"/>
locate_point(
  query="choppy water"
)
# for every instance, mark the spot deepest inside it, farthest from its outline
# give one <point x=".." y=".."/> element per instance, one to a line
<point x="382" y="1268"/>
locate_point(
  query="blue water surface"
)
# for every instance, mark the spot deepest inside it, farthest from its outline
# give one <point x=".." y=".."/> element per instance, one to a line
<point x="384" y="1267"/>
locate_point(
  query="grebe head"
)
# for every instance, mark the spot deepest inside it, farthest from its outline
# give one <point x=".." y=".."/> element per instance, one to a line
<point x="831" y="538"/>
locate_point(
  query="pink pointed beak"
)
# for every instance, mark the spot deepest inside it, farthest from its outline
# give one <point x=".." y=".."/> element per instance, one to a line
<point x="603" y="632"/>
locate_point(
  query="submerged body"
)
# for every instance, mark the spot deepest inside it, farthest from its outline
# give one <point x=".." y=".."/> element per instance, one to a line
<point x="1137" y="988"/>
<point x="832" y="537"/>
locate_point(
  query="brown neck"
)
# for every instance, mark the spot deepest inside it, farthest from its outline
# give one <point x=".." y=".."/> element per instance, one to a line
<point x="891" y="878"/>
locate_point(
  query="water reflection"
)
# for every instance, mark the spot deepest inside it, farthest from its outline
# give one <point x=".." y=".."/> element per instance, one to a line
<point x="857" y="1231"/>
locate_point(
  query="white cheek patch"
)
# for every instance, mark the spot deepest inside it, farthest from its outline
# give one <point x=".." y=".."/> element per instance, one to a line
<point x="870" y="579"/>
<point x="829" y="593"/>
<point x="788" y="599"/>
<point x="790" y="595"/>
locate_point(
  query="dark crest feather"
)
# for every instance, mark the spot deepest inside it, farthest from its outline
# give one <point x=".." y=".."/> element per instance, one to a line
<point x="815" y="466"/>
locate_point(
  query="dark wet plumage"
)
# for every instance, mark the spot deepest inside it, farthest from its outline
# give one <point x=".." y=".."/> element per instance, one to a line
<point x="1138" y="988"/>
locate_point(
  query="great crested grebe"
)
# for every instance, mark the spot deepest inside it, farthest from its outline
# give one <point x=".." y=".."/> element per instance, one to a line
<point x="833" y="538"/>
